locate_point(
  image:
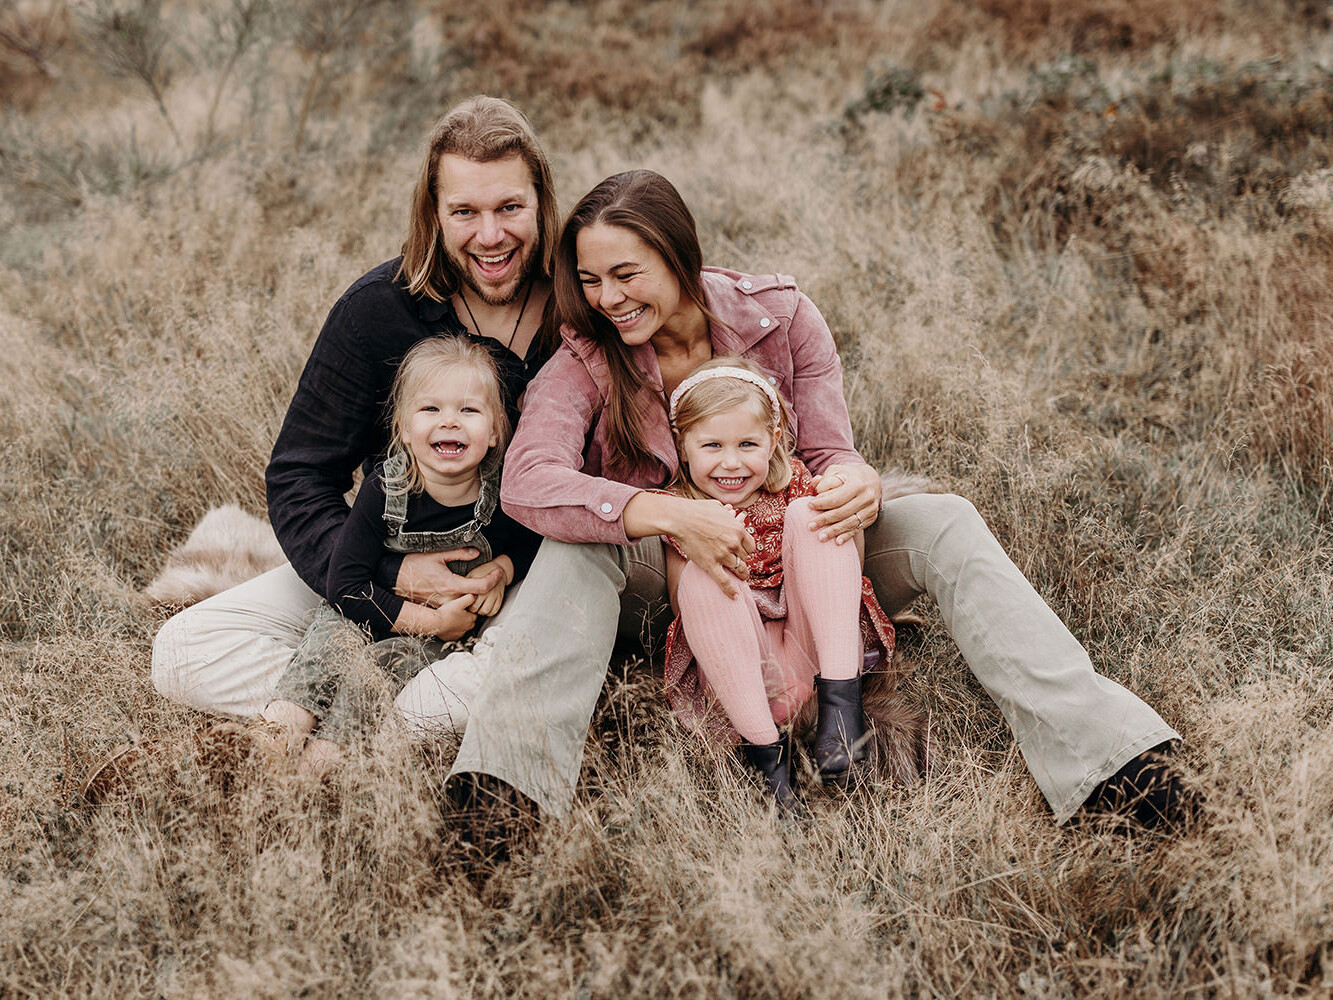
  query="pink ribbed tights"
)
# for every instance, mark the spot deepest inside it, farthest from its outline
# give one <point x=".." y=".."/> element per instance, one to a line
<point x="762" y="672"/>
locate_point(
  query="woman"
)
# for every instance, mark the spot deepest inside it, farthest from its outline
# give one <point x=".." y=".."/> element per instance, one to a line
<point x="638" y="311"/>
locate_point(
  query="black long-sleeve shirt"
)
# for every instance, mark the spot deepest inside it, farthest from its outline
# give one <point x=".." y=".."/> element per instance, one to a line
<point x="337" y="420"/>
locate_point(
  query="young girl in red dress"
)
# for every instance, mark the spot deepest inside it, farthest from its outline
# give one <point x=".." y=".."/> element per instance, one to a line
<point x="805" y="621"/>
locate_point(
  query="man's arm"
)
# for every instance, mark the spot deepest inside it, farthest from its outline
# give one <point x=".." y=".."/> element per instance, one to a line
<point x="335" y="421"/>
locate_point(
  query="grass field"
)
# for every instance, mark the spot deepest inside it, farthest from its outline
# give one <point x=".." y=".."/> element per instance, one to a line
<point x="1078" y="260"/>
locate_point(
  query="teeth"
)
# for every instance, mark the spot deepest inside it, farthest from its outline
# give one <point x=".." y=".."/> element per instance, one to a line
<point x="493" y="260"/>
<point x="629" y="316"/>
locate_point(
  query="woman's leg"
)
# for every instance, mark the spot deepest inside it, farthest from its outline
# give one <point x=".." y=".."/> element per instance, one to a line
<point x="728" y="640"/>
<point x="1074" y="727"/>
<point x="555" y="634"/>
<point x="226" y="654"/>
<point x="645" y="613"/>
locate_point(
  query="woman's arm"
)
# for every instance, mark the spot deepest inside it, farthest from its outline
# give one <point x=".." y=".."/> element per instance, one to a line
<point x="823" y="426"/>
<point x="546" y="488"/>
<point x="848" y="490"/>
<point x="544" y="485"/>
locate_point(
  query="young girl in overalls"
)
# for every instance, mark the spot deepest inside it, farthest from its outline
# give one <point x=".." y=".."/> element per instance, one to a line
<point x="437" y="489"/>
<point x="804" y="622"/>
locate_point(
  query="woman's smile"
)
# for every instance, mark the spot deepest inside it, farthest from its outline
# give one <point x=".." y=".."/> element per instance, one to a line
<point x="625" y="320"/>
<point x="629" y="283"/>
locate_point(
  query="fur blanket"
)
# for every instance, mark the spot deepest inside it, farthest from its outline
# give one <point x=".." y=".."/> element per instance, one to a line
<point x="227" y="547"/>
<point x="896" y="483"/>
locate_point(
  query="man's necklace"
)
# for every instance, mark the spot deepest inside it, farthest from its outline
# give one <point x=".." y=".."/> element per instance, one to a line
<point x="512" y="333"/>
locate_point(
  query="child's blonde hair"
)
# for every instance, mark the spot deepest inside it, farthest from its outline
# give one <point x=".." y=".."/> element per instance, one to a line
<point x="430" y="359"/>
<point x="719" y="394"/>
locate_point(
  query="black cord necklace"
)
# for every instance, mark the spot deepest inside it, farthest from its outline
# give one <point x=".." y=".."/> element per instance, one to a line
<point x="512" y="333"/>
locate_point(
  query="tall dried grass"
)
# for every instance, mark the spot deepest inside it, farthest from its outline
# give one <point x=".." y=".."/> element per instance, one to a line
<point x="1077" y="258"/>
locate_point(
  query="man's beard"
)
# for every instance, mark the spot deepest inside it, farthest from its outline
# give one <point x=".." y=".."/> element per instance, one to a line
<point x="464" y="269"/>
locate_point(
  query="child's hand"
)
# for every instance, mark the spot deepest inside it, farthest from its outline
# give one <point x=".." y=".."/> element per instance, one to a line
<point x="453" y="620"/>
<point x="487" y="604"/>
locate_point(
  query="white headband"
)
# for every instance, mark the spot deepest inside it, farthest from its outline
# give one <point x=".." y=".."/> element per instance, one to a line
<point x="724" y="371"/>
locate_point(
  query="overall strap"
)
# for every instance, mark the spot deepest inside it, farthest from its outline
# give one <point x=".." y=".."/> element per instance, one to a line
<point x="399" y="539"/>
<point x="395" y="494"/>
<point x="489" y="495"/>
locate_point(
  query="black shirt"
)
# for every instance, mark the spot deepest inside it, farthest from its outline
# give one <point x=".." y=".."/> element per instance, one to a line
<point x="337" y="420"/>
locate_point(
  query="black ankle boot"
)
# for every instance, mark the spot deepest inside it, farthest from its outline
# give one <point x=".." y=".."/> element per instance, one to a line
<point x="1148" y="791"/>
<point x="840" y="733"/>
<point x="774" y="762"/>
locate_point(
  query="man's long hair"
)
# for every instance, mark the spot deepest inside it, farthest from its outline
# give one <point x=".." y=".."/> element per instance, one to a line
<point x="482" y="129"/>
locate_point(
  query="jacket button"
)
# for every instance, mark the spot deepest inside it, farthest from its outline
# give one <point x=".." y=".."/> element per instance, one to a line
<point x="747" y="284"/>
<point x="764" y="322"/>
<point x="772" y="380"/>
<point x="606" y="508"/>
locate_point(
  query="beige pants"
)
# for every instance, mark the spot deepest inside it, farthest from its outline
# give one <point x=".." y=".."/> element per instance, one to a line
<point x="1074" y="727"/>
<point x="528" y="723"/>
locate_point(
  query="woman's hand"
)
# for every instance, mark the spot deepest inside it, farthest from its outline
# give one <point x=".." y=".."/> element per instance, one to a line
<point x="712" y="535"/>
<point x="715" y="538"/>
<point x="848" y="499"/>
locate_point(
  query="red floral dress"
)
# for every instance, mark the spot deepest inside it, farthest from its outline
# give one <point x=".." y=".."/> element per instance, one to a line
<point x="686" y="689"/>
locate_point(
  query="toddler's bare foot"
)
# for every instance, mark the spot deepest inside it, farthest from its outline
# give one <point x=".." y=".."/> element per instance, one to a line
<point x="319" y="758"/>
<point x="295" y="721"/>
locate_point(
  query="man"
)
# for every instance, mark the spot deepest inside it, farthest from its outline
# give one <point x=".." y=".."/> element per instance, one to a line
<point x="476" y="262"/>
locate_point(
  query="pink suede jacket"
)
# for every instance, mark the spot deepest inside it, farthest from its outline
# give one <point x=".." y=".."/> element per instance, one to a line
<point x="559" y="477"/>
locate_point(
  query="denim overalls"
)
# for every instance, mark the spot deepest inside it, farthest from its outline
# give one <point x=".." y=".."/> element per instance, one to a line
<point x="464" y="536"/>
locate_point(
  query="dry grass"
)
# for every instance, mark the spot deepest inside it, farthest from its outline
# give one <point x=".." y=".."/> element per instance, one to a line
<point x="1078" y="259"/>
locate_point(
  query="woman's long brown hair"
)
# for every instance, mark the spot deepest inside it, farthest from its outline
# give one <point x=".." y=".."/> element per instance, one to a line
<point x="649" y="206"/>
